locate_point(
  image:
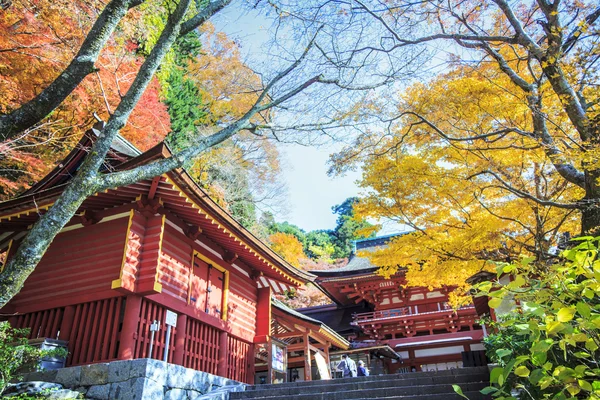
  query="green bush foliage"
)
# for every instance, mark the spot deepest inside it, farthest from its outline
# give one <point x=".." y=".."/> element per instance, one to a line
<point x="546" y="339"/>
<point x="17" y="355"/>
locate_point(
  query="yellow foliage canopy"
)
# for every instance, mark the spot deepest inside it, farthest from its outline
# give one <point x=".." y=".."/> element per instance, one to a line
<point x="288" y="247"/>
<point x="449" y="191"/>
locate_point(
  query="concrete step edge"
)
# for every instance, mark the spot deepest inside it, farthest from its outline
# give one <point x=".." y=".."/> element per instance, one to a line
<point x="380" y="384"/>
<point x="399" y="382"/>
<point x="472" y="386"/>
<point x="479" y="371"/>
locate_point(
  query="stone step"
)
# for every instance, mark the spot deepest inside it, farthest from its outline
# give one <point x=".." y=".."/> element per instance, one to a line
<point x="475" y="373"/>
<point x="445" y="396"/>
<point x="331" y="393"/>
<point x="361" y="384"/>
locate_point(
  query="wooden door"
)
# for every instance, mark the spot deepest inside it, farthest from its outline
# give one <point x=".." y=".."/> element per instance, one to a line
<point x="215" y="294"/>
<point x="199" y="284"/>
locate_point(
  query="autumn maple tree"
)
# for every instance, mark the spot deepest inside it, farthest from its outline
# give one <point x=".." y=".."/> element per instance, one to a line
<point x="495" y="156"/>
<point x="172" y="21"/>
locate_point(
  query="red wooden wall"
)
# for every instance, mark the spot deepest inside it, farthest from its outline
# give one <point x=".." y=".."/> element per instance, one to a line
<point x="79" y="266"/>
<point x="79" y="292"/>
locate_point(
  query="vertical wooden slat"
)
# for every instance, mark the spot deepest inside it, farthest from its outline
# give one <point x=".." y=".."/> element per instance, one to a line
<point x="36" y="325"/>
<point x="79" y="332"/>
<point x="89" y="354"/>
<point x="103" y="331"/>
<point x="115" y="328"/>
<point x="56" y="323"/>
<point x="45" y="325"/>
<point x="73" y="335"/>
<point x="140" y="351"/>
<point x="85" y="340"/>
<point x="104" y="347"/>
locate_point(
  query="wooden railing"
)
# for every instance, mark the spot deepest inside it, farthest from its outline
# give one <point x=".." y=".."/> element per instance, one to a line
<point x="94" y="331"/>
<point x="402" y="312"/>
<point x="201" y="347"/>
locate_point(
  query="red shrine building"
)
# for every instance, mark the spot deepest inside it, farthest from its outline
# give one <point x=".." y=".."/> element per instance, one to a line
<point x="417" y="323"/>
<point x="154" y="250"/>
<point x="162" y="250"/>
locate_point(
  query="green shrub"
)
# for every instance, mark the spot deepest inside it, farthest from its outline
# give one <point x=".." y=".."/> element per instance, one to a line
<point x="16" y="354"/>
<point x="547" y="346"/>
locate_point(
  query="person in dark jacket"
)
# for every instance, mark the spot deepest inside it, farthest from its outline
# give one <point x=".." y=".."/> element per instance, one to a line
<point x="362" y="370"/>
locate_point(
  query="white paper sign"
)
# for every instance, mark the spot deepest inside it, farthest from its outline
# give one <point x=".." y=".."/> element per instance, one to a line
<point x="322" y="366"/>
<point x="171" y="319"/>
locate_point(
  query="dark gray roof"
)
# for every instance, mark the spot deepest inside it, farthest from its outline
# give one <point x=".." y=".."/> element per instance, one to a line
<point x="337" y="318"/>
<point x="280" y="305"/>
<point x="359" y="265"/>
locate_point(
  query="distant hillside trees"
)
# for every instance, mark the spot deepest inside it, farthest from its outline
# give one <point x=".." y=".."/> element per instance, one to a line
<point x="324" y="245"/>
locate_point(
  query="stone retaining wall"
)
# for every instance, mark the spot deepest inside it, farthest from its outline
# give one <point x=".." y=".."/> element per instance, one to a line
<point x="144" y="378"/>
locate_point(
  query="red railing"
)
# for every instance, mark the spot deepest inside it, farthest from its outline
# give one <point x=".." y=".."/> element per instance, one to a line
<point x="95" y="331"/>
<point x="150" y="312"/>
<point x="201" y="347"/>
<point x="402" y="312"/>
<point x="41" y="324"/>
<point x="237" y="357"/>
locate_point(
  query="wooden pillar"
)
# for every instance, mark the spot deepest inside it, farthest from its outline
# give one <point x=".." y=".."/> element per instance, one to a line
<point x="263" y="315"/>
<point x="223" y="355"/>
<point x="251" y="365"/>
<point x="66" y="324"/>
<point x="130" y="327"/>
<point x="307" y="359"/>
<point x="180" y="336"/>
<point x="12" y="321"/>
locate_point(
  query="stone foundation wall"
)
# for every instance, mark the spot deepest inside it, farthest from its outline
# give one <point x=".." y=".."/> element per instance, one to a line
<point x="145" y="379"/>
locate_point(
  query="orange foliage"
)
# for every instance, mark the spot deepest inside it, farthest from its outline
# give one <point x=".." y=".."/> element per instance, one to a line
<point x="37" y="41"/>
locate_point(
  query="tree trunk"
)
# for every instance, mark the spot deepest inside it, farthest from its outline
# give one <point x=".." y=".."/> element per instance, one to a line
<point x="590" y="215"/>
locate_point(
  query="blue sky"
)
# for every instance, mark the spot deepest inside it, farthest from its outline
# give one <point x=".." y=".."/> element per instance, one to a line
<point x="311" y="193"/>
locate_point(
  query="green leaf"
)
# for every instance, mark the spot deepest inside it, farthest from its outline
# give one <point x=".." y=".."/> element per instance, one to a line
<point x="545" y="382"/>
<point x="522" y="371"/>
<point x="503" y="352"/>
<point x="591" y="345"/>
<point x="525" y="261"/>
<point x="517" y="282"/>
<point x="495" y="374"/>
<point x="488" y="390"/>
<point x="565" y="314"/>
<point x="459" y="391"/>
<point x="580" y="370"/>
<point x="573" y="390"/>
<point x="585" y="385"/>
<point x="539" y="357"/>
<point x="583" y="309"/>
<point x="554" y="327"/>
<point x="507" y="269"/>
<point x="536" y="375"/>
<point x="581" y="354"/>
<point x="495" y="302"/>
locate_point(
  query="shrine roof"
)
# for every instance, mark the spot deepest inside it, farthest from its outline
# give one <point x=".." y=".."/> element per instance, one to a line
<point x="337" y="339"/>
<point x="360" y="347"/>
<point x="183" y="197"/>
<point x="338" y="318"/>
<point x="359" y="265"/>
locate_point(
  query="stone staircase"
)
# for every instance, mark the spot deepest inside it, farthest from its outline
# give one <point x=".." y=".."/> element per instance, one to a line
<point x="416" y="385"/>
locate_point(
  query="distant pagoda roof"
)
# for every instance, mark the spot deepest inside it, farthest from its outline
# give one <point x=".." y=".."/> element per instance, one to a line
<point x="359" y="265"/>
